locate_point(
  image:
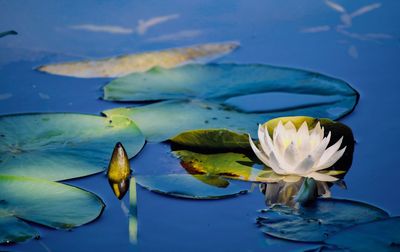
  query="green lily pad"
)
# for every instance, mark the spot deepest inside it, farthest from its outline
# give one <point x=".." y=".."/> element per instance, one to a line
<point x="43" y="202"/>
<point x="188" y="186"/>
<point x="222" y="81"/>
<point x="15" y="230"/>
<point x="382" y="235"/>
<point x="200" y="97"/>
<point x="212" y="140"/>
<point x="59" y="146"/>
<point x="318" y="222"/>
<point x="164" y="120"/>
<point x="140" y="62"/>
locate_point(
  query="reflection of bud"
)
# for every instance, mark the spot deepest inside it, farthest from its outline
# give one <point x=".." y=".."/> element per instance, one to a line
<point x="119" y="171"/>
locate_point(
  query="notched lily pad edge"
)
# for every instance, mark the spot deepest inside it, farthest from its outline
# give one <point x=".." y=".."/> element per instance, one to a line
<point x="178" y="195"/>
<point x="361" y="203"/>
<point x="98" y="198"/>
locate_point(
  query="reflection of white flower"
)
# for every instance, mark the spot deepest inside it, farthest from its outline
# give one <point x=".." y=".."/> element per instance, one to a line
<point x="302" y="152"/>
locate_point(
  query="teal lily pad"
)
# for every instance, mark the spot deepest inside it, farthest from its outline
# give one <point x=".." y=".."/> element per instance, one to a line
<point x="318" y="222"/>
<point x="43" y="202"/>
<point x="15" y="230"/>
<point x="382" y="235"/>
<point x="59" y="146"/>
<point x="220" y="82"/>
<point x="200" y="97"/>
<point x="189" y="186"/>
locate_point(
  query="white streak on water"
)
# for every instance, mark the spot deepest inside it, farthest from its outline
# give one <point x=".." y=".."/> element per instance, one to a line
<point x="102" y="28"/>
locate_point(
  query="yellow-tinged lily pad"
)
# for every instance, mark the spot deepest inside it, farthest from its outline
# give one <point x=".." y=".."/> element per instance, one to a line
<point x="59" y="146"/>
<point x="140" y="62"/>
<point x="43" y="202"/>
<point x="229" y="165"/>
<point x="166" y="174"/>
<point x="212" y="140"/>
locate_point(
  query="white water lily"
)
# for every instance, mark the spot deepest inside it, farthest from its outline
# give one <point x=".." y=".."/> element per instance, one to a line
<point x="302" y="152"/>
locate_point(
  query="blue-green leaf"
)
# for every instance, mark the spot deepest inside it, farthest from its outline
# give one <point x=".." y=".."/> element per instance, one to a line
<point x="382" y="235"/>
<point x="200" y="97"/>
<point x="189" y="186"/>
<point x="58" y="146"/>
<point x="43" y="202"/>
<point x="318" y="222"/>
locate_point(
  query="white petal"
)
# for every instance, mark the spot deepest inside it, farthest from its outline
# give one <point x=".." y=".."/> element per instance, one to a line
<point x="332" y="160"/>
<point x="305" y="166"/>
<point x="290" y="126"/>
<point x="278" y="129"/>
<point x="259" y="154"/>
<point x="321" y="177"/>
<point x="320" y="149"/>
<point x="291" y="155"/>
<point x="303" y="133"/>
<point x="279" y="144"/>
<point x="261" y="138"/>
<point x="329" y="152"/>
<point x="275" y="165"/>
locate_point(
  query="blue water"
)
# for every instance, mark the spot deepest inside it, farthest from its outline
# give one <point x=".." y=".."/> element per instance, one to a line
<point x="273" y="32"/>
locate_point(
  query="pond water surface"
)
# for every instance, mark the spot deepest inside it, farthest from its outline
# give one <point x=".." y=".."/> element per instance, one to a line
<point x="301" y="34"/>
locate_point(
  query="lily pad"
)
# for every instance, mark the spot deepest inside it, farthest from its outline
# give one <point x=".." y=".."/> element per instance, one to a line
<point x="229" y="165"/>
<point x="382" y="235"/>
<point x="318" y="222"/>
<point x="188" y="186"/>
<point x="15" y="230"/>
<point x="43" y="202"/>
<point x="212" y="140"/>
<point x="140" y="62"/>
<point x="199" y="97"/>
<point x="222" y="81"/>
<point x="59" y="146"/>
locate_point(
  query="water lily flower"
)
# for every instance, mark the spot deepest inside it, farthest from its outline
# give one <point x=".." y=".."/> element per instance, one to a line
<point x="298" y="153"/>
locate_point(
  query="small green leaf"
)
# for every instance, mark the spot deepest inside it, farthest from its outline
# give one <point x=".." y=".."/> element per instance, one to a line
<point x="317" y="222"/>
